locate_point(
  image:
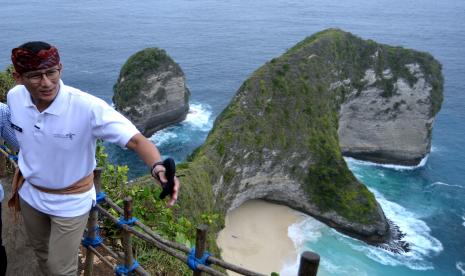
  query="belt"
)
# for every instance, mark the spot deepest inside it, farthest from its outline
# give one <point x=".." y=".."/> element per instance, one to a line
<point x="81" y="186"/>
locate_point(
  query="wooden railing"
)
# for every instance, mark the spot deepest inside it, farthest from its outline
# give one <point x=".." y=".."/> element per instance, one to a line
<point x="309" y="261"/>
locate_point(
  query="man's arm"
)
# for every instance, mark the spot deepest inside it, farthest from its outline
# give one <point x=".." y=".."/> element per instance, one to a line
<point x="7" y="131"/>
<point x="149" y="153"/>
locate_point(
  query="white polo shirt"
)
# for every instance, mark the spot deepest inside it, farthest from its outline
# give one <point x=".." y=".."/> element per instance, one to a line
<point x="57" y="146"/>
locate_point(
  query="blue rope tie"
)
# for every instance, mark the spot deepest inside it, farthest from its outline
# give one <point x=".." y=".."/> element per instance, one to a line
<point x="13" y="157"/>
<point x="10" y="156"/>
<point x="123" y="270"/>
<point x="193" y="262"/>
<point x="130" y="221"/>
<point x="93" y="242"/>
<point x="101" y="197"/>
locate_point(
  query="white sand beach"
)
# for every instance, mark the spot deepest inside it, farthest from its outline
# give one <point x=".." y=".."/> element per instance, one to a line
<point x="255" y="236"/>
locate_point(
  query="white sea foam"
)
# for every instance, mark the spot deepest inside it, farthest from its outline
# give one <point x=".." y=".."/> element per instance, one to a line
<point x="199" y="117"/>
<point x="417" y="234"/>
<point x="308" y="229"/>
<point x="291" y="269"/>
<point x="326" y="266"/>
<point x="389" y="166"/>
<point x="460" y="267"/>
<point x="163" y="136"/>
<point x="463" y="220"/>
<point x="445" y="184"/>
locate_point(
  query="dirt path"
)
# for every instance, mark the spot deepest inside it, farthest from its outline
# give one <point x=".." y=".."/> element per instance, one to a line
<point x="21" y="258"/>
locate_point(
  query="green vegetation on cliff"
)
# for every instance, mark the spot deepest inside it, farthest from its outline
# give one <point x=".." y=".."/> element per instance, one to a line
<point x="176" y="224"/>
<point x="133" y="75"/>
<point x="351" y="56"/>
<point x="6" y="82"/>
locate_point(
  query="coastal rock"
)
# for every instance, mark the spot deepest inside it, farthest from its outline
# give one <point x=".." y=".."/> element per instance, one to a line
<point x="389" y="117"/>
<point x="151" y="91"/>
<point x="278" y="139"/>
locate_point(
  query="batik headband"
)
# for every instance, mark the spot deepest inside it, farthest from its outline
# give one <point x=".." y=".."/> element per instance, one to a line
<point x="25" y="60"/>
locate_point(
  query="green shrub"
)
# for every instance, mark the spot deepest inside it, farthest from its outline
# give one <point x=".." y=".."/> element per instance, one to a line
<point x="6" y="82"/>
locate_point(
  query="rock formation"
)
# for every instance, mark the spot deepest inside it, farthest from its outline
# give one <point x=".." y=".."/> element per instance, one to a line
<point x="389" y="117"/>
<point x="278" y="138"/>
<point x="151" y="91"/>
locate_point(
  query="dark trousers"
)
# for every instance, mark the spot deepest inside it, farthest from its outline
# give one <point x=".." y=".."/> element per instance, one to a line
<point x="2" y="248"/>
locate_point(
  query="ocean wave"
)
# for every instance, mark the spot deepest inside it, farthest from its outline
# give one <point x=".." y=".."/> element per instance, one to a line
<point x="389" y="166"/>
<point x="445" y="184"/>
<point x="417" y="235"/>
<point x="306" y="230"/>
<point x="329" y="268"/>
<point x="199" y="117"/>
<point x="463" y="221"/>
<point x="460" y="267"/>
<point x="326" y="267"/>
<point x="310" y="230"/>
<point x="197" y="120"/>
<point x="163" y="136"/>
<point x="422" y="245"/>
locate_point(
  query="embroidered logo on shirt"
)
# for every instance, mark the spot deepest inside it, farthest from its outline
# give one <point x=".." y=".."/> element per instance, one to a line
<point x="66" y="136"/>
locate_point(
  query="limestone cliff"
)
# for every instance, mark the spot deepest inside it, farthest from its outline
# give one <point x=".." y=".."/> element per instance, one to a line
<point x="387" y="114"/>
<point x="151" y="91"/>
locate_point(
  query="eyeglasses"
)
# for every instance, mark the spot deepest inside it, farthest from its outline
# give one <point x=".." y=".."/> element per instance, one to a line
<point x="36" y="78"/>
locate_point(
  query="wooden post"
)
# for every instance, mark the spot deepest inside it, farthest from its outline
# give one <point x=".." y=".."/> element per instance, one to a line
<point x="127" y="243"/>
<point x="200" y="243"/>
<point x="2" y="165"/>
<point x="92" y="225"/>
<point x="309" y="262"/>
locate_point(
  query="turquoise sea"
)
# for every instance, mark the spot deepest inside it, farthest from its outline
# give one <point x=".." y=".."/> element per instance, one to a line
<point x="219" y="44"/>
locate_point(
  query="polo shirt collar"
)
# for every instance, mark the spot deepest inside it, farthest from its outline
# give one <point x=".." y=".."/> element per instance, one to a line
<point x="58" y="104"/>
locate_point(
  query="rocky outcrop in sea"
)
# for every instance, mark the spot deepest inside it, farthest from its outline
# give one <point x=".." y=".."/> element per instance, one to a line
<point x="282" y="136"/>
<point x="151" y="91"/>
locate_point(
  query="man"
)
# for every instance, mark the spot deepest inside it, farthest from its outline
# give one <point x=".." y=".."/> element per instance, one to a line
<point x="57" y="127"/>
<point x="6" y="133"/>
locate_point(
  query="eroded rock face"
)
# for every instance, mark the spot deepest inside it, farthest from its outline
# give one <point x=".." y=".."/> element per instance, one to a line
<point x="395" y="129"/>
<point x="151" y="91"/>
<point x="275" y="183"/>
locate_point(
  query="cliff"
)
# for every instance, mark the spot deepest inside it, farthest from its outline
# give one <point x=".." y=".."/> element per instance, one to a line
<point x="282" y="136"/>
<point x="151" y="91"/>
<point x="389" y="105"/>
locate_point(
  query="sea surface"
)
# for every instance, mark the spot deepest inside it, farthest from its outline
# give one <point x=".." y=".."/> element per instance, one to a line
<point x="219" y="44"/>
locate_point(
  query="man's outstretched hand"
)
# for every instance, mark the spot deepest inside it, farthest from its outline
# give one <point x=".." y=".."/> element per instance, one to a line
<point x="169" y="189"/>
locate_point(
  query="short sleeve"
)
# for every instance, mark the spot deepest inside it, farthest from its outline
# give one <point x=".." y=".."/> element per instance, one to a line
<point x="110" y="125"/>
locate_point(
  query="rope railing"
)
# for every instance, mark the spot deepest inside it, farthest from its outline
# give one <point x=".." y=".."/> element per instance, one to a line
<point x="196" y="258"/>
